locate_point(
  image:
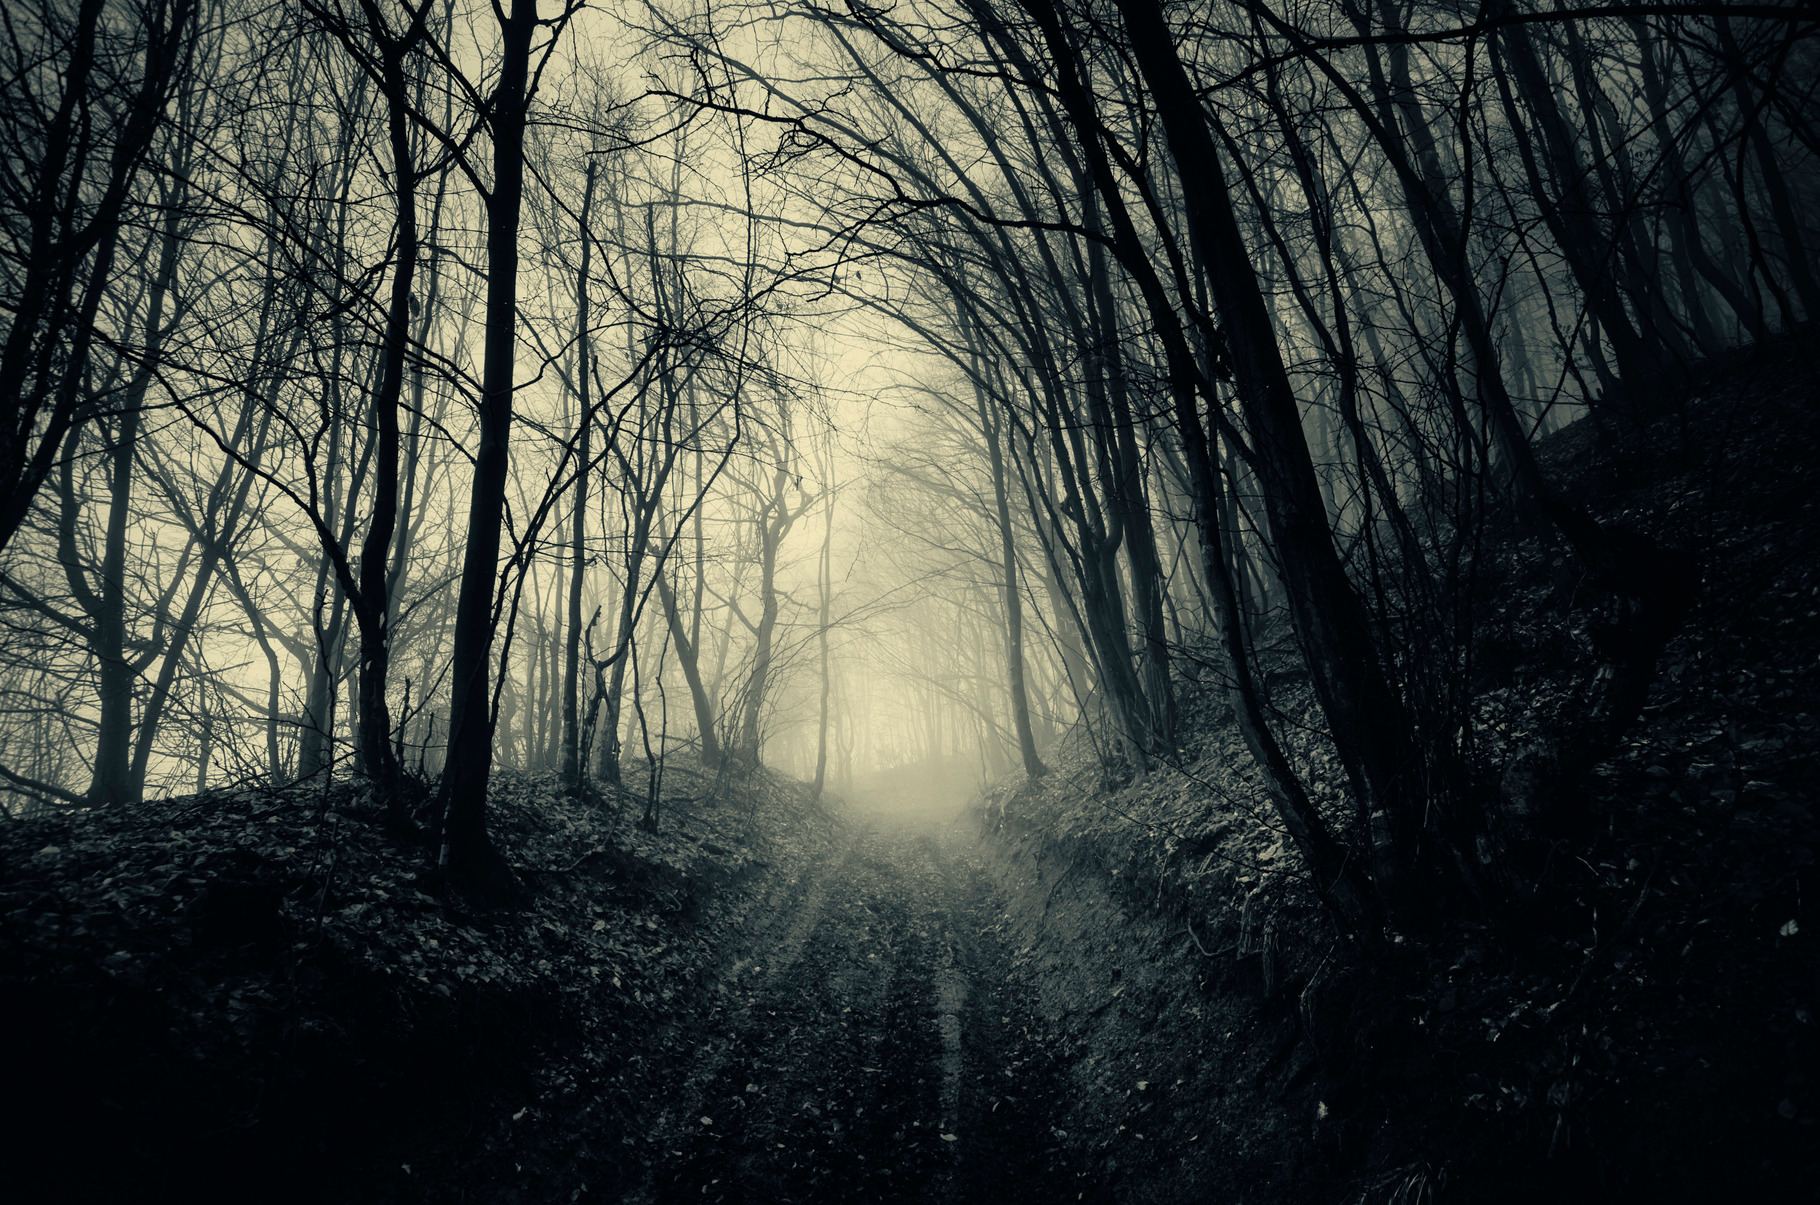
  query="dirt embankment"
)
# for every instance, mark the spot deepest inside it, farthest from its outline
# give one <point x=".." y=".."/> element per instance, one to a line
<point x="255" y="995"/>
<point x="1187" y="1076"/>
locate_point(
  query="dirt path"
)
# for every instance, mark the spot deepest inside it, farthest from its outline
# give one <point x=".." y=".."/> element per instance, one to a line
<point x="866" y="1051"/>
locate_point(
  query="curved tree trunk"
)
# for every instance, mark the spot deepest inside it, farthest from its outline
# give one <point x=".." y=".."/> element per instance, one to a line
<point x="372" y="605"/>
<point x="1371" y="729"/>
<point x="774" y="523"/>
<point x="1339" y="880"/>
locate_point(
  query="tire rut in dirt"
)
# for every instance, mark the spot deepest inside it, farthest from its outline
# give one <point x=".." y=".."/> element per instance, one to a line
<point x="829" y="1090"/>
<point x="879" y="1060"/>
<point x="1014" y="1083"/>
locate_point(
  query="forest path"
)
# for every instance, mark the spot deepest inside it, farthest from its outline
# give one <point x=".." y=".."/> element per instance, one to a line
<point x="868" y="1049"/>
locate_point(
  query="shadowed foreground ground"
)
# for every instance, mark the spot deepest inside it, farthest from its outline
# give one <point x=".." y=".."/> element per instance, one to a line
<point x="867" y="1049"/>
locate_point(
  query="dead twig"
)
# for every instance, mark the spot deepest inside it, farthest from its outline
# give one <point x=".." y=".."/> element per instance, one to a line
<point x="1196" y="938"/>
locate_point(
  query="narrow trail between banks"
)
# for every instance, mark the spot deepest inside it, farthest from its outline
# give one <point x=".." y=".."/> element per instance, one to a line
<point x="867" y="1050"/>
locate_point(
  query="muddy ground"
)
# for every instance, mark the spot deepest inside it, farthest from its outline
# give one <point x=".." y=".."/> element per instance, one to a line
<point x="866" y="1046"/>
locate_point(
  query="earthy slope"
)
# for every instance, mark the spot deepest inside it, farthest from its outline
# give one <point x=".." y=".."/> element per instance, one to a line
<point x="253" y="995"/>
<point x="1649" y="1031"/>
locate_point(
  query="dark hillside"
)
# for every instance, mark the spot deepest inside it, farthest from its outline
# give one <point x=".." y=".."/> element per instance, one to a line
<point x="1647" y="1029"/>
<point x="252" y="995"/>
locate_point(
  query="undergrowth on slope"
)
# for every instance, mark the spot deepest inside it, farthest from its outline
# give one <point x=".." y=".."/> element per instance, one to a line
<point x="254" y="991"/>
<point x="1644" y="1021"/>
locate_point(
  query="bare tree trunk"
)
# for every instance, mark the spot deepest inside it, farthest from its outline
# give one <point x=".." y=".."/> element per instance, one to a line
<point x="606" y="752"/>
<point x="688" y="657"/>
<point x="1775" y="186"/>
<point x="372" y="602"/>
<point x="467" y="850"/>
<point x="410" y="516"/>
<point x="315" y="737"/>
<point x="1067" y="629"/>
<point x="824" y="580"/>
<point x="206" y="747"/>
<point x="1126" y="496"/>
<point x="774" y="522"/>
<point x="649" y="498"/>
<point x="113" y="748"/>
<point x="1094" y="559"/>
<point x="578" y="553"/>
<point x="1010" y="591"/>
<point x="113" y="776"/>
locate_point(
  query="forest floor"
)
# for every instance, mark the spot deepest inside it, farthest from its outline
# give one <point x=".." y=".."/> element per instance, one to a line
<point x="255" y="993"/>
<point x="867" y="1048"/>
